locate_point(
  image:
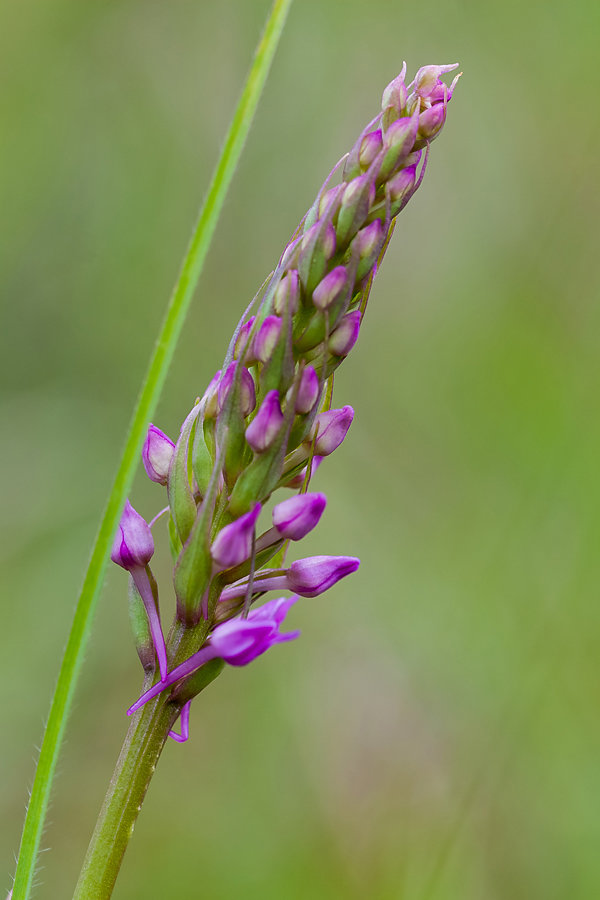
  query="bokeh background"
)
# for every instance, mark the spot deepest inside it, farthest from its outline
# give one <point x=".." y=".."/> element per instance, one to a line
<point x="435" y="733"/>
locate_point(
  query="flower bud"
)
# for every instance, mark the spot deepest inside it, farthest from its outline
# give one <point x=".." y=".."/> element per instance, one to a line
<point x="370" y="147"/>
<point x="233" y="544"/>
<point x="157" y="454"/>
<point x="265" y="339"/>
<point x="345" y="335"/>
<point x="247" y="390"/>
<point x="368" y="239"/>
<point x="402" y="183"/>
<point x="133" y="546"/>
<point x="431" y="121"/>
<point x="395" y="93"/>
<point x="357" y="200"/>
<point x="329" y="289"/>
<point x="210" y="396"/>
<point x="295" y="517"/>
<point x="264" y="428"/>
<point x="331" y="427"/>
<point x="242" y="338"/>
<point x="308" y="390"/>
<point x="317" y="247"/>
<point x="316" y="574"/>
<point x="398" y="142"/>
<point x="368" y="243"/>
<point x="428" y="78"/>
<point x="329" y="199"/>
<point x="287" y="293"/>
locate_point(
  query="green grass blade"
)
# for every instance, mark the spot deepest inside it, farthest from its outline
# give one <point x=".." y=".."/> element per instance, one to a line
<point x="151" y="388"/>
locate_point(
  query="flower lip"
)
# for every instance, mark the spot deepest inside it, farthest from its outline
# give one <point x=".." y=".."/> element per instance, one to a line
<point x="240" y="641"/>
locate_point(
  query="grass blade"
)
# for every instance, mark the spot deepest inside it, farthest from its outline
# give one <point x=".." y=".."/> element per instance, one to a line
<point x="149" y="395"/>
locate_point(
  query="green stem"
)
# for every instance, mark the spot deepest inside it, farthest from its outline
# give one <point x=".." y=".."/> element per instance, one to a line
<point x="148" y="398"/>
<point x="135" y="766"/>
<point x="140" y="752"/>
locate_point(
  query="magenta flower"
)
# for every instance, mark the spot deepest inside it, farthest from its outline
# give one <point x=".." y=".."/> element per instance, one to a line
<point x="266" y="338"/>
<point x="247" y="389"/>
<point x="331" y="427"/>
<point x="308" y="390"/>
<point x="157" y="454"/>
<point x="345" y="335"/>
<point x="295" y="517"/>
<point x="133" y="545"/>
<point x="308" y="577"/>
<point x="330" y="288"/>
<point x="233" y="544"/>
<point x="133" y="549"/>
<point x="264" y="428"/>
<point x="287" y="294"/>
<point x="370" y="147"/>
<point x="312" y="576"/>
<point x="242" y="338"/>
<point x="427" y="80"/>
<point x="238" y="642"/>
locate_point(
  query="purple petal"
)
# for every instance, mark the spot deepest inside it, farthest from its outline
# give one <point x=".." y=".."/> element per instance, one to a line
<point x="133" y="545"/>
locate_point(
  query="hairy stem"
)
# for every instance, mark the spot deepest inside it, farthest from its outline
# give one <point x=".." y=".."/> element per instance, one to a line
<point x="135" y="766"/>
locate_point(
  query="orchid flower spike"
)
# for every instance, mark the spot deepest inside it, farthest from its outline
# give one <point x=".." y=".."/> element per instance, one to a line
<point x="267" y="418"/>
<point x="238" y="642"/>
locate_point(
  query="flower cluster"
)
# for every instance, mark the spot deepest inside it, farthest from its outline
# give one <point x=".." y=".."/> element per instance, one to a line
<point x="266" y="419"/>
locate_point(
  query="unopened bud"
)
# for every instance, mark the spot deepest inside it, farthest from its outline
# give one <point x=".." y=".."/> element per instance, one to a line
<point x="395" y="93"/>
<point x="210" y="397"/>
<point x="133" y="545"/>
<point x="264" y="428"/>
<point x="370" y="147"/>
<point x="157" y="454"/>
<point x="431" y="121"/>
<point x="242" y="338"/>
<point x="330" y="288"/>
<point x="295" y="517"/>
<point x="368" y="243"/>
<point x="287" y="293"/>
<point x="330" y="198"/>
<point x="266" y="338"/>
<point x="317" y="248"/>
<point x="308" y="390"/>
<point x="314" y="575"/>
<point x="398" y="142"/>
<point x="345" y="335"/>
<point x="233" y="544"/>
<point x="247" y="390"/>
<point x="331" y="427"/>
<point x="401" y="188"/>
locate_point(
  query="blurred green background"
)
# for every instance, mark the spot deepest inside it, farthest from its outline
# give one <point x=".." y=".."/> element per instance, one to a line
<point x="435" y="733"/>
